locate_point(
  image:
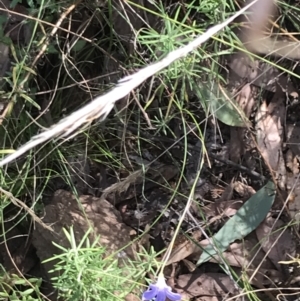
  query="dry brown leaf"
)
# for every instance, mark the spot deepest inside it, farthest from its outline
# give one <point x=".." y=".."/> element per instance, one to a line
<point x="268" y="138"/>
<point x="245" y="99"/>
<point x="259" y="73"/>
<point x="245" y="191"/>
<point x="239" y="255"/>
<point x="246" y="102"/>
<point x="269" y="120"/>
<point x="293" y="138"/>
<point x="217" y="210"/>
<point x="294" y="204"/>
<point x="292" y="162"/>
<point x="187" y="248"/>
<point x="246" y="257"/>
<point x="210" y="284"/>
<point x="262" y="277"/>
<point x="243" y="255"/>
<point x="275" y="243"/>
<point x="137" y="182"/>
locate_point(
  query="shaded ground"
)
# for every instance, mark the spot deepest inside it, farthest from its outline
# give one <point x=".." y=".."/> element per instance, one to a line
<point x="127" y="174"/>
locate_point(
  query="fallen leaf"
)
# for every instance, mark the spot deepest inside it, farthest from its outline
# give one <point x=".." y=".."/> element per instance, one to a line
<point x="138" y="182"/>
<point x="187" y="248"/>
<point x="248" y="217"/>
<point x="276" y="240"/>
<point x="293" y="187"/>
<point x="245" y="191"/>
<point x="292" y="132"/>
<point x="259" y="73"/>
<point x="245" y="254"/>
<point x="269" y="121"/>
<point x="222" y="105"/>
<point x="246" y="101"/>
<point x="292" y="162"/>
<point x="208" y="284"/>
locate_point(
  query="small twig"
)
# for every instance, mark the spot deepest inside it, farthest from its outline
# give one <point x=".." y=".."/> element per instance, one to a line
<point x="240" y="167"/>
<point x="21" y="204"/>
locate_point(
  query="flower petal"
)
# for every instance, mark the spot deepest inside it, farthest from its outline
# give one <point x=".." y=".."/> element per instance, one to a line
<point x="172" y="296"/>
<point x="151" y="292"/>
<point x="160" y="291"/>
<point x="161" y="296"/>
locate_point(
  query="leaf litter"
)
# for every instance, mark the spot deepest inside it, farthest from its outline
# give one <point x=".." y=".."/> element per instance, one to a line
<point x="233" y="208"/>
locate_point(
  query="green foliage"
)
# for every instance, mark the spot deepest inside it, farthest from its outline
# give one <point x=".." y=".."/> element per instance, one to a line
<point x="177" y="95"/>
<point x="222" y="105"/>
<point x="199" y="73"/>
<point x="247" y="218"/>
<point x="84" y="272"/>
<point x="15" y="288"/>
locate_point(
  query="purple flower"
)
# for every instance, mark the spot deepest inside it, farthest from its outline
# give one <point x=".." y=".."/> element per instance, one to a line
<point x="160" y="291"/>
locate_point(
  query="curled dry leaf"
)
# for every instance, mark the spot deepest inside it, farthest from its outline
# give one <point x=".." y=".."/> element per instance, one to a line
<point x="276" y="240"/>
<point x="210" y="284"/>
<point x="245" y="191"/>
